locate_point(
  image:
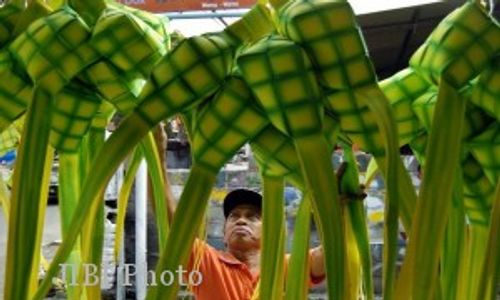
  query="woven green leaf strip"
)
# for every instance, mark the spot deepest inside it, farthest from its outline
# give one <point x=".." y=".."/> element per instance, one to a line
<point x="73" y="110"/>
<point x="9" y="14"/>
<point x="336" y="46"/>
<point x="356" y="120"/>
<point x="225" y="124"/>
<point x="54" y="49"/>
<point x="478" y="192"/>
<point x="121" y="89"/>
<point x="486" y="92"/>
<point x="276" y="156"/>
<point x="189" y="73"/>
<point x="460" y="47"/>
<point x="15" y="94"/>
<point x="298" y="267"/>
<point x="273" y="239"/>
<point x="128" y="42"/>
<point x="285" y="82"/>
<point x="476" y="120"/>
<point x="36" y="9"/>
<point x="401" y="90"/>
<point x="287" y="89"/>
<point x="160" y="24"/>
<point x="486" y="150"/>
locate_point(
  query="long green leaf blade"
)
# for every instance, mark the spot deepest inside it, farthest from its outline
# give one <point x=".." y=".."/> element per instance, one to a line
<point x="419" y="274"/>
<point x="23" y="215"/>
<point x="298" y="266"/>
<point x="491" y="266"/>
<point x="273" y="240"/>
<point x="123" y="196"/>
<point x="155" y="170"/>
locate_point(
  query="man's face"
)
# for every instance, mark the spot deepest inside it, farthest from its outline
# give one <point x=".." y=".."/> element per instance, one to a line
<point x="242" y="230"/>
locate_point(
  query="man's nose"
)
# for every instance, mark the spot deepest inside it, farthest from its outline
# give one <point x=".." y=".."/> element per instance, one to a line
<point x="241" y="221"/>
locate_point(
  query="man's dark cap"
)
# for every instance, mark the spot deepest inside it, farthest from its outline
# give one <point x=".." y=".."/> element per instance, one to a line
<point x="239" y="197"/>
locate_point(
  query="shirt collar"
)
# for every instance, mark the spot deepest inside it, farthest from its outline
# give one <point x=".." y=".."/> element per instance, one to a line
<point x="228" y="258"/>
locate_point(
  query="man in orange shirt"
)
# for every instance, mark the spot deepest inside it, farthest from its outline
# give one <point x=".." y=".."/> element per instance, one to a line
<point x="234" y="273"/>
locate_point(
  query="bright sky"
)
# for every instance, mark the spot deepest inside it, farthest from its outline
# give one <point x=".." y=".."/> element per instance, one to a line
<point x="190" y="27"/>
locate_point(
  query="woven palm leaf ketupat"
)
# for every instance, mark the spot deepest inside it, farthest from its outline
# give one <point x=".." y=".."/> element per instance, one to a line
<point x="341" y="62"/>
<point x="72" y="113"/>
<point x="54" y="49"/>
<point x="222" y="127"/>
<point x="486" y="91"/>
<point x="160" y="24"/>
<point x="15" y="92"/>
<point x="120" y="89"/>
<point x="486" y="149"/>
<point x="478" y="192"/>
<point x="15" y="85"/>
<point x="129" y="43"/>
<point x="401" y="90"/>
<point x="460" y="47"/>
<point x="280" y="74"/>
<point x="476" y="119"/>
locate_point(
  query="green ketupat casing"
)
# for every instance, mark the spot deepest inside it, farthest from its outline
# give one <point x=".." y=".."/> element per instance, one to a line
<point x="280" y="74"/>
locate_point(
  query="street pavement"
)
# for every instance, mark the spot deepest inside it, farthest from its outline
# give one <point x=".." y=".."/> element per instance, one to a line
<point x="51" y="233"/>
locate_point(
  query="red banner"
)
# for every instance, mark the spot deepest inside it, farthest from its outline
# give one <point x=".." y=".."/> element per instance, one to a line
<point x="159" y="6"/>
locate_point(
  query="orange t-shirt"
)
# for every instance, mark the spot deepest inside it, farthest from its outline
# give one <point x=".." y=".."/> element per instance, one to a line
<point x="224" y="276"/>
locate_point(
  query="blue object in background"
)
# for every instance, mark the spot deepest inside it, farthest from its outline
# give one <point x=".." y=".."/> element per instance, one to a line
<point x="8" y="159"/>
<point x="292" y="195"/>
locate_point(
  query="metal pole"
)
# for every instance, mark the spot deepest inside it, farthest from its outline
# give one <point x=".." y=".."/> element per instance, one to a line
<point x="140" y="231"/>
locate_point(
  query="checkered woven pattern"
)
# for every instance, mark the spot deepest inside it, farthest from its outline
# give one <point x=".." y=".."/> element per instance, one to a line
<point x="460" y="47"/>
<point x="225" y="124"/>
<point x="418" y="146"/>
<point x="9" y="139"/>
<point x="401" y="90"/>
<point x="5" y="60"/>
<point x="128" y="42"/>
<point x="255" y="24"/>
<point x="329" y="33"/>
<point x="160" y="24"/>
<point x="73" y="110"/>
<point x="280" y="75"/>
<point x="275" y="153"/>
<point x="424" y="107"/>
<point x="54" y="49"/>
<point x="486" y="93"/>
<point x="188" y="74"/>
<point x="476" y="120"/>
<point x="9" y="13"/>
<point x="486" y="150"/>
<point x="103" y="116"/>
<point x="356" y="120"/>
<point x="478" y="192"/>
<point x="120" y="89"/>
<point x="15" y="94"/>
